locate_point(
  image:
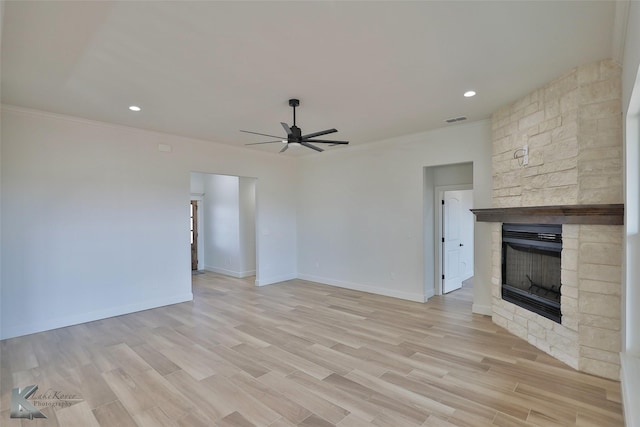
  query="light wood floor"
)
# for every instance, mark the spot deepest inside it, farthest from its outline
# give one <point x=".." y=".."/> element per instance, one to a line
<point x="301" y="354"/>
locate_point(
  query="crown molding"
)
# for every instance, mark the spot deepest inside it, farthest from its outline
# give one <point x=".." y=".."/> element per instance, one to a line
<point x="619" y="32"/>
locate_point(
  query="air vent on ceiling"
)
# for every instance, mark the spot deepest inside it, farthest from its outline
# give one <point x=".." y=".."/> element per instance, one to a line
<point x="456" y="119"/>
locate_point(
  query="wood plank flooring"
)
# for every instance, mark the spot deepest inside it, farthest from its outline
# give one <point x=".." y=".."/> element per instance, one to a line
<point x="300" y="354"/>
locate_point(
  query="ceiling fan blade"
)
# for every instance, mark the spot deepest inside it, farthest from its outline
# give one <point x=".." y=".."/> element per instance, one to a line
<point x="313" y="147"/>
<point x="266" y="142"/>
<point x="322" y="132"/>
<point x="263" y="134"/>
<point x="284" y="148"/>
<point x="326" y="141"/>
<point x="286" y="128"/>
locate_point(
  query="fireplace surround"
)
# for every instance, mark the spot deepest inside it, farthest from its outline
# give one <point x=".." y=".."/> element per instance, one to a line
<point x="572" y="130"/>
<point x="587" y="337"/>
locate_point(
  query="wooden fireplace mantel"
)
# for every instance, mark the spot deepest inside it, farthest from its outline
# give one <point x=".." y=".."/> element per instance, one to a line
<point x="611" y="214"/>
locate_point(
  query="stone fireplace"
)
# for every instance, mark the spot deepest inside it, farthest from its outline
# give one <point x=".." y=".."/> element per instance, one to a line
<point x="572" y="177"/>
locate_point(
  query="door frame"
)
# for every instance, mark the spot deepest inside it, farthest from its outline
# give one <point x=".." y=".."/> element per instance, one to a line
<point x="199" y="197"/>
<point x="438" y="195"/>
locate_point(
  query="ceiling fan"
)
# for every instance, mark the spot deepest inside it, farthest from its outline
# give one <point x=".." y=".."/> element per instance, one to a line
<point x="295" y="136"/>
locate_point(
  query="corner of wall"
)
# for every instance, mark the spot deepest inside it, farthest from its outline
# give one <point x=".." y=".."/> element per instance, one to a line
<point x="485" y="310"/>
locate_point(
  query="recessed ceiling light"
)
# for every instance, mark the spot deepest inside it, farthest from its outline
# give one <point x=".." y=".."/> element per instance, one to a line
<point x="134" y="108"/>
<point x="469" y="94"/>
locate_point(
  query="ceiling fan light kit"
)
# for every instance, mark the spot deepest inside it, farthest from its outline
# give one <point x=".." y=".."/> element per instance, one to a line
<point x="295" y="136"/>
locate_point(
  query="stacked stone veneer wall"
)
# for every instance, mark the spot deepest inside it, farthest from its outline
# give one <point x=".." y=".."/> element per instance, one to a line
<point x="573" y="129"/>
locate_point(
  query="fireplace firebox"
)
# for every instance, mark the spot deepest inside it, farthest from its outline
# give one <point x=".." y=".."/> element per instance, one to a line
<point x="531" y="267"/>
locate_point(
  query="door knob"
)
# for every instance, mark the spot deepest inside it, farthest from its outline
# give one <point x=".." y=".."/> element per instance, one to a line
<point x="461" y="244"/>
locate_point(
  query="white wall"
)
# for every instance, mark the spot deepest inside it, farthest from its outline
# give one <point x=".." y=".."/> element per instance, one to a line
<point x="247" y="202"/>
<point x="467" y="222"/>
<point x="631" y="107"/>
<point x="360" y="211"/>
<point x="630" y="357"/>
<point x="457" y="174"/>
<point x="221" y="224"/>
<point x="197" y="183"/>
<point x="229" y="224"/>
<point x="429" y="245"/>
<point x="95" y="219"/>
<point x="1" y="24"/>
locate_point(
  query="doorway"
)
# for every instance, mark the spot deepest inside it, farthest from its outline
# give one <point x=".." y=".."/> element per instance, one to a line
<point x="226" y="224"/>
<point x="437" y="181"/>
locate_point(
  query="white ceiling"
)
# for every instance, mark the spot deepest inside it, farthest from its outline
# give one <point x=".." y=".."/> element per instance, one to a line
<point x="373" y="70"/>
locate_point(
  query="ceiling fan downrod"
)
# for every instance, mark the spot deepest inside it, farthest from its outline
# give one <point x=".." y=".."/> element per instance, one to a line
<point x="294" y="103"/>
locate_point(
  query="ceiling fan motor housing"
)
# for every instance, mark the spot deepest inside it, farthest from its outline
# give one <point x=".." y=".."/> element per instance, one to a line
<point x="296" y="134"/>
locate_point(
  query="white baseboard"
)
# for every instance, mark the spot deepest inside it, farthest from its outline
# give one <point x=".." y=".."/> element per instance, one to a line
<point x="232" y="273"/>
<point x="275" y="279"/>
<point x="10" y="331"/>
<point x="482" y="309"/>
<point x="630" y="384"/>
<point x="364" y="288"/>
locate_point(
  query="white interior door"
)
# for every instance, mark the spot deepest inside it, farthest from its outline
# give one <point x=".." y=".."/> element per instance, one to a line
<point x="451" y="262"/>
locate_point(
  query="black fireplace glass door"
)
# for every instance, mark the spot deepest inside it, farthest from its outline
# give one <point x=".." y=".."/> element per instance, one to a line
<point x="532" y="270"/>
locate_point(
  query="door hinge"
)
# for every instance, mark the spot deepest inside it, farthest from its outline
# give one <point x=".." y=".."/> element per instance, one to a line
<point x="443" y="202"/>
<point x="443" y="240"/>
<point x="443" y="277"/>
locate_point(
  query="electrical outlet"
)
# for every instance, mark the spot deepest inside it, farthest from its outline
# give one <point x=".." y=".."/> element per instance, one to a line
<point x="525" y="155"/>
